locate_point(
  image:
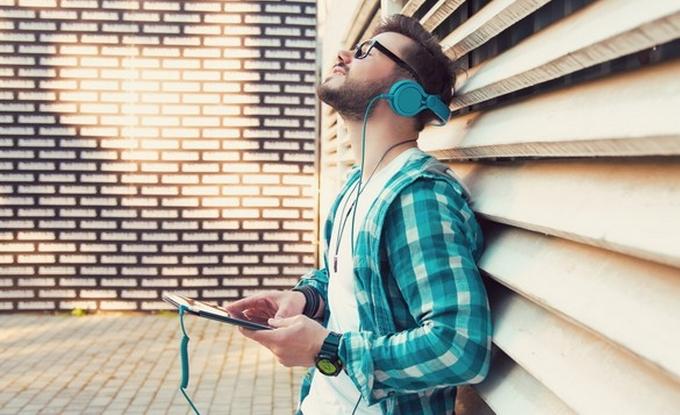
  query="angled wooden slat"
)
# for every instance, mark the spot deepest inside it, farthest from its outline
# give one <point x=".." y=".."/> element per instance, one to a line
<point x="377" y="18"/>
<point x="362" y="17"/>
<point x="411" y="7"/>
<point x="627" y="206"/>
<point x="573" y="280"/>
<point x="597" y="33"/>
<point x="440" y="11"/>
<point x="633" y="113"/>
<point x="509" y="389"/>
<point x="390" y="7"/>
<point x="589" y="374"/>
<point x="492" y="19"/>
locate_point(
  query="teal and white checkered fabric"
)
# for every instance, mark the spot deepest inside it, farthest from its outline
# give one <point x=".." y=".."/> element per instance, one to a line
<point x="425" y="325"/>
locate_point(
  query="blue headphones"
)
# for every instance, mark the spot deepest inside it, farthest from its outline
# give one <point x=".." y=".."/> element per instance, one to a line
<point x="408" y="98"/>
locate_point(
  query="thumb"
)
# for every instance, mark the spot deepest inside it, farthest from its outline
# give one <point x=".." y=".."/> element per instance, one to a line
<point x="281" y="321"/>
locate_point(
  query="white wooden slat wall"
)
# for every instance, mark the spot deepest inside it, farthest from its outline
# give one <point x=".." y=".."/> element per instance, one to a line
<point x="572" y="155"/>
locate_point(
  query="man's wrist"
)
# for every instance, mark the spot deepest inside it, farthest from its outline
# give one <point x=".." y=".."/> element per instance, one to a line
<point x="312" y="300"/>
<point x="327" y="360"/>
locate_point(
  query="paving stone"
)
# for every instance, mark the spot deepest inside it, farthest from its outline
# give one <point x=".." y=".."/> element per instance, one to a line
<point x="129" y="364"/>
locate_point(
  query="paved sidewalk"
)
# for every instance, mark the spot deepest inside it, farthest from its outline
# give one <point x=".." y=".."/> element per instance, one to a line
<point x="129" y="364"/>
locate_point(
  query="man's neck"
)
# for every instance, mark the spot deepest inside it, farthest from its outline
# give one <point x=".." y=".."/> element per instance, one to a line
<point x="381" y="134"/>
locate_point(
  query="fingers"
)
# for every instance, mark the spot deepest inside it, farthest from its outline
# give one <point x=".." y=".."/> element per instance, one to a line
<point x="258" y="301"/>
<point x="259" y="316"/>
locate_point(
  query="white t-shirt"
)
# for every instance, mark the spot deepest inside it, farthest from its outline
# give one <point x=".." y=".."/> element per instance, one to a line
<point x="337" y="395"/>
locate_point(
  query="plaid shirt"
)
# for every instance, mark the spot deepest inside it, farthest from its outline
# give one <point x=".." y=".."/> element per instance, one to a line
<point x="424" y="321"/>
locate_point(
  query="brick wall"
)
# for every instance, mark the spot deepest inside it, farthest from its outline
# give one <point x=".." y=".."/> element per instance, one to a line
<point x="148" y="146"/>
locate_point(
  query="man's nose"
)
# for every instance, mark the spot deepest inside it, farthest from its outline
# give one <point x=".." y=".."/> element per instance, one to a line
<point x="345" y="56"/>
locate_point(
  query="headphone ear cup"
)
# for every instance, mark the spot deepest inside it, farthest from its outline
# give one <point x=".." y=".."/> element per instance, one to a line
<point x="406" y="98"/>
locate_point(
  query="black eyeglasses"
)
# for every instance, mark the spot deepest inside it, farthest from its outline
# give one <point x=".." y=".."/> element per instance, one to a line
<point x="362" y="50"/>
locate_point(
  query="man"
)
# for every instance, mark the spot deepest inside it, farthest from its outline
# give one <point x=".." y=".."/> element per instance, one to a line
<point x="404" y="314"/>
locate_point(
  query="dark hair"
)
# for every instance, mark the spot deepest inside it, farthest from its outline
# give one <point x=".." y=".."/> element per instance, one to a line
<point x="434" y="68"/>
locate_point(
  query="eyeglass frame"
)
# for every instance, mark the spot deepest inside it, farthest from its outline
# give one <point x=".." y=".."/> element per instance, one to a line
<point x="396" y="59"/>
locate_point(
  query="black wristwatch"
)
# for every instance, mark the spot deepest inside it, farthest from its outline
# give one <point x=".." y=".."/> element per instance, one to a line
<point x="327" y="361"/>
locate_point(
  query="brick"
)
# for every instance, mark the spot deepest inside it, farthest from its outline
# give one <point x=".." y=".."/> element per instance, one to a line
<point x="287" y="259"/>
<point x="139" y="294"/>
<point x="84" y="305"/>
<point x="179" y="271"/>
<point x="240" y="259"/>
<point x="98" y="247"/>
<point x="260" y="247"/>
<point x="58" y="15"/>
<point x="202" y="30"/>
<point x="36" y="305"/>
<point x="57" y="293"/>
<point x="116" y="236"/>
<point x="221" y="224"/>
<point x="35" y="212"/>
<point x="85" y="293"/>
<point x="220" y="293"/>
<point x="137" y="248"/>
<point x="56" y="247"/>
<point x="160" y="214"/>
<point x="77" y="259"/>
<point x="219" y="270"/>
<point x="180" y="225"/>
<point x="17" y="37"/>
<point x="38" y="259"/>
<point x="200" y="213"/>
<point x="155" y="236"/>
<point x="77" y="282"/>
<point x="118" y="305"/>
<point x="77" y="236"/>
<point x="235" y="281"/>
<point x="139" y="178"/>
<point x="261" y="179"/>
<point x="98" y="270"/>
<point x="100" y="15"/>
<point x="182" y="18"/>
<point x="159" y="260"/>
<point x="180" y="179"/>
<point x="223" y="18"/>
<point x="200" y="259"/>
<point x="279" y="282"/>
<point x="139" y="271"/>
<point x="180" y="248"/>
<point x="80" y="4"/>
<point x="295" y="270"/>
<point x="280" y="214"/>
<point x="299" y="20"/>
<point x="242" y="30"/>
<point x="118" y="282"/>
<point x="16" y="247"/>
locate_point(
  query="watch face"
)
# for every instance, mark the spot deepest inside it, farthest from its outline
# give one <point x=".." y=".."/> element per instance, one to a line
<point x="326" y="366"/>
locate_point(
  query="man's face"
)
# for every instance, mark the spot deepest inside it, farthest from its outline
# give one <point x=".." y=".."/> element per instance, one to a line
<point x="353" y="82"/>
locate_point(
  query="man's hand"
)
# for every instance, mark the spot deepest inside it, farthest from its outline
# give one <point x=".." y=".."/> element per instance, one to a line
<point x="261" y="307"/>
<point x="294" y="342"/>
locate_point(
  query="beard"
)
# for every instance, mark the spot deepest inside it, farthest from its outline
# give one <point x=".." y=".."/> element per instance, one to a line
<point x="352" y="96"/>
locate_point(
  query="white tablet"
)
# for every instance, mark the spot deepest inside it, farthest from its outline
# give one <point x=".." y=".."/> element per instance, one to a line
<point x="211" y="311"/>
